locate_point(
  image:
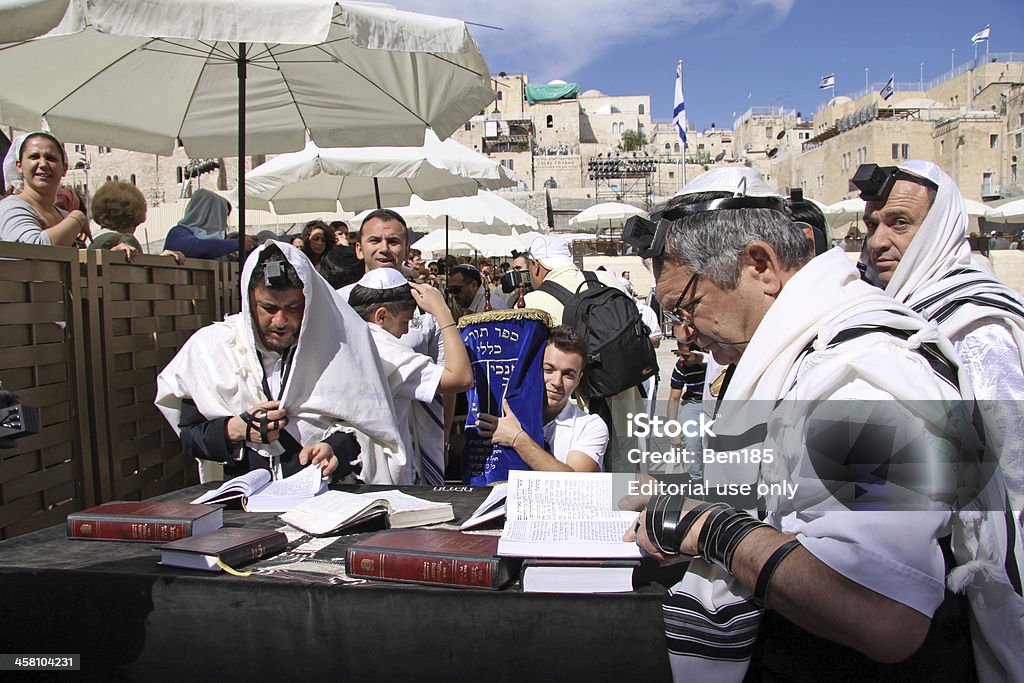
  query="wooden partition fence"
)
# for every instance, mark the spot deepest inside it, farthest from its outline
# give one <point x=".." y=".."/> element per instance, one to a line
<point x="83" y="335"/>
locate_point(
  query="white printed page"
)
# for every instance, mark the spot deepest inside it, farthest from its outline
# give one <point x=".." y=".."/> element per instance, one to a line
<point x="306" y="482"/>
<point x="244" y="485"/>
<point x="559" y="496"/>
<point x="401" y="502"/>
<point x="323" y="513"/>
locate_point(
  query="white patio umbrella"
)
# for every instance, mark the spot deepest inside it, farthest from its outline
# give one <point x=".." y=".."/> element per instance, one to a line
<point x="24" y="19"/>
<point x="842" y="213"/>
<point x="460" y="242"/>
<point x="1010" y="212"/>
<point x="359" y="178"/>
<point x="238" y="77"/>
<point x="607" y="215"/>
<point x="977" y="209"/>
<point x="483" y="213"/>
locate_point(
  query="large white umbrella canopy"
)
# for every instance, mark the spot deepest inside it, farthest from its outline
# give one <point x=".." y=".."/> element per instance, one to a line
<point x="1010" y="212"/>
<point x="464" y="242"/>
<point x="484" y="213"/>
<point x="141" y="75"/>
<point x="358" y="178"/>
<point x="238" y="77"/>
<point x="606" y="215"/>
<point x="977" y="209"/>
<point x="24" y="19"/>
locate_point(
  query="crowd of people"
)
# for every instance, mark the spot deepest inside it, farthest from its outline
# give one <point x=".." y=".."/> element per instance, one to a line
<point x="905" y="561"/>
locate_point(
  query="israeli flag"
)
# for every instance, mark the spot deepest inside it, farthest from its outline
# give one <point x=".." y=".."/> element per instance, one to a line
<point x="981" y="35"/>
<point x="887" y="90"/>
<point x="679" y="113"/>
<point x="827" y="82"/>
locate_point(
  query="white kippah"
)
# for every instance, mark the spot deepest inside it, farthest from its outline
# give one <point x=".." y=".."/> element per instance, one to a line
<point x="383" y="278"/>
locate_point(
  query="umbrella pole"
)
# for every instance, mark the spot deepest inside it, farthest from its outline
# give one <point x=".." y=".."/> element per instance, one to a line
<point x="376" y="191"/>
<point x="446" y="257"/>
<point x="241" y="161"/>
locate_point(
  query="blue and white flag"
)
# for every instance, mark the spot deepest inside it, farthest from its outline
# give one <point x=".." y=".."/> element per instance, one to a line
<point x="887" y="90"/>
<point x="827" y="82"/>
<point x="981" y="35"/>
<point x="679" y="113"/>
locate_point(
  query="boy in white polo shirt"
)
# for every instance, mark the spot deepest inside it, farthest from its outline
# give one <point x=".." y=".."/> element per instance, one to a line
<point x="575" y="441"/>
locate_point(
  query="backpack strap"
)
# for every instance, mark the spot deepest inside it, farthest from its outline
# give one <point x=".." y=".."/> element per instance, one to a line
<point x="556" y="290"/>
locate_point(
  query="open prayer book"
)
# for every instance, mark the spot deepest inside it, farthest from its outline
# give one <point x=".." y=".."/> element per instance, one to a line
<point x="492" y="508"/>
<point x="260" y="494"/>
<point x="337" y="510"/>
<point x="564" y="514"/>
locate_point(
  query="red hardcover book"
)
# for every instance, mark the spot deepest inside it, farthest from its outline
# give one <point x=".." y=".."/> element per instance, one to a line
<point x="145" y="522"/>
<point x="233" y="546"/>
<point x="447" y="558"/>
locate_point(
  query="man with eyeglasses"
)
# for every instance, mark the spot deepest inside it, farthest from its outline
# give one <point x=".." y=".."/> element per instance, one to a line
<point x="466" y="285"/>
<point x="814" y="427"/>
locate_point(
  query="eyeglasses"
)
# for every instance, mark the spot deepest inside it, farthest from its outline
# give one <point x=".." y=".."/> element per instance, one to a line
<point x="680" y="314"/>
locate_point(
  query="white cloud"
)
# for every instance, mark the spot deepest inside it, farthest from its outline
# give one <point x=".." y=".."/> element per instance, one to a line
<point x="554" y="38"/>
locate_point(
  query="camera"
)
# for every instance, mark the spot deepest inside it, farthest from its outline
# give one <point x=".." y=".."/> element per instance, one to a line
<point x="16" y="420"/>
<point x="511" y="280"/>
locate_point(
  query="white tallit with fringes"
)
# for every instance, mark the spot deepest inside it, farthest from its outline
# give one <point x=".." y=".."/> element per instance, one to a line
<point x="336" y="382"/>
<point x="938" y="278"/>
<point x="711" y="621"/>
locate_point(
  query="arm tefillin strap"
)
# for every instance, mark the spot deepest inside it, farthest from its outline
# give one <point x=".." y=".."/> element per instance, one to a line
<point x="259" y="421"/>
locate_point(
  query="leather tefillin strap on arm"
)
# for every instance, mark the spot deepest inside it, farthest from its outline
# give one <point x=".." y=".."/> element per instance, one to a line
<point x="259" y="421"/>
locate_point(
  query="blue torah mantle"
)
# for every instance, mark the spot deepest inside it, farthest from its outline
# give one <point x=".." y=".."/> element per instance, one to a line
<point x="506" y="350"/>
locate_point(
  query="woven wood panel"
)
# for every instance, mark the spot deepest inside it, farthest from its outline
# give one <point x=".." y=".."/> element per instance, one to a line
<point x="42" y="359"/>
<point x="139" y="315"/>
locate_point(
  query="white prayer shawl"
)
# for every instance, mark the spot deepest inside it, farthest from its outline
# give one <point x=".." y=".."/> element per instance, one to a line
<point x="336" y="382"/>
<point x="822" y="299"/>
<point x="939" y="279"/>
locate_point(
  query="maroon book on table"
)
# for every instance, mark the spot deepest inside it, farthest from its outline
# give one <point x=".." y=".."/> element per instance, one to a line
<point x="447" y="558"/>
<point x="145" y="521"/>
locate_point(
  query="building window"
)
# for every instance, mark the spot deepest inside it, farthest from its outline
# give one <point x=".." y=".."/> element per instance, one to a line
<point x="499" y="95"/>
<point x="467" y="126"/>
<point x="675" y="148"/>
<point x="79" y="149"/>
<point x="895" y="151"/>
<point x="640" y="109"/>
<point x="180" y="174"/>
<point x="768" y="130"/>
<point x="133" y="179"/>
<point x="993" y="141"/>
<point x="904" y="150"/>
<point x="640" y="128"/>
<point x="1013" y="173"/>
<point x="668" y="146"/>
<point x="508" y="163"/>
<point x="1016" y="140"/>
<point x="986" y="184"/>
<point x="700" y="145"/>
<point x="942" y="146"/>
<point x="550" y="121"/>
<point x="671" y="175"/>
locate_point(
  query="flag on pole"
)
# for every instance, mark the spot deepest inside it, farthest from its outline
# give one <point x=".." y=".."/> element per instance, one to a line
<point x="827" y="82"/>
<point x="981" y="35"/>
<point x="887" y="90"/>
<point x="679" y="113"/>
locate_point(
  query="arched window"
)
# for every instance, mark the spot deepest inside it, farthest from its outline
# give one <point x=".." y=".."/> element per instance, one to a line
<point x="180" y="175"/>
<point x="675" y="148"/>
<point x="499" y="95"/>
<point x="640" y="109"/>
<point x="133" y="179"/>
<point x="668" y="147"/>
<point x="550" y="121"/>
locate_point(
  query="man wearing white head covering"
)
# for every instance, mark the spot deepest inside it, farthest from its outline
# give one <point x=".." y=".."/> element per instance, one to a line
<point x="387" y="301"/>
<point x="851" y="580"/>
<point x="291" y="380"/>
<point x="917" y="250"/>
<point x="383" y="242"/>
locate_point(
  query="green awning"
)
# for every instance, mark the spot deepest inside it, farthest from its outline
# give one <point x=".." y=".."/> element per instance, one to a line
<point x="548" y="93"/>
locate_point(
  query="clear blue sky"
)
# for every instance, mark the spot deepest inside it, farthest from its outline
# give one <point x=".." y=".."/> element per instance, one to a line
<point x="736" y="53"/>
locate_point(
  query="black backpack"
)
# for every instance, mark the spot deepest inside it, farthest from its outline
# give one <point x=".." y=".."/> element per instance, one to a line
<point x="620" y="353"/>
